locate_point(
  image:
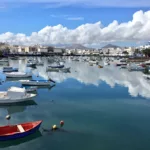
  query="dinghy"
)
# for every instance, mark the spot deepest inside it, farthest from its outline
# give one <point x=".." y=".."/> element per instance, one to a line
<point x="17" y="131"/>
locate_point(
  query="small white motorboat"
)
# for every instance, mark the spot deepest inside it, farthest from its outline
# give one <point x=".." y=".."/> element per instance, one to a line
<point x="18" y="75"/>
<point x="15" y="95"/>
<point x="35" y="82"/>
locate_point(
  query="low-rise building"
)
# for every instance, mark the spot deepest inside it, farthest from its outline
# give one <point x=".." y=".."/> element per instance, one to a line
<point x="42" y="49"/>
<point x="58" y="50"/>
<point x="130" y="50"/>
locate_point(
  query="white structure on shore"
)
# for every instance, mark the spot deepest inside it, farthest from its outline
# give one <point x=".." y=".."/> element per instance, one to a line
<point x="42" y="49"/>
<point x="130" y="50"/>
<point x="142" y="47"/>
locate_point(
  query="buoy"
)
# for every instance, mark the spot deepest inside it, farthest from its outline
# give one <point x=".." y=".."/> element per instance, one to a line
<point x="8" y="117"/>
<point x="54" y="127"/>
<point x="61" y="123"/>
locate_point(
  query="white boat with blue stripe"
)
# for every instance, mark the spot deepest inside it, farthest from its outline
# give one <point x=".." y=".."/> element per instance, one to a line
<point x="36" y="82"/>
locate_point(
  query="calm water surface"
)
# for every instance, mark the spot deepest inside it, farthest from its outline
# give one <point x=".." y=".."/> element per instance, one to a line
<point x="103" y="109"/>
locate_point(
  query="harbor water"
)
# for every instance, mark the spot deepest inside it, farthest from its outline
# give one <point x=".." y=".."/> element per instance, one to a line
<point x="102" y="108"/>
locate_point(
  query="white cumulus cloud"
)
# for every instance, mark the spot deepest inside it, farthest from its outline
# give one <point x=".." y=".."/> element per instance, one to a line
<point x="138" y="29"/>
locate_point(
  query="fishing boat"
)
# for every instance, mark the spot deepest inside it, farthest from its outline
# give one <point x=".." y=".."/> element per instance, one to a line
<point x="15" y="95"/>
<point x="35" y="82"/>
<point x="17" y="131"/>
<point x="18" y="75"/>
<point x="59" y="66"/>
<point x="10" y="69"/>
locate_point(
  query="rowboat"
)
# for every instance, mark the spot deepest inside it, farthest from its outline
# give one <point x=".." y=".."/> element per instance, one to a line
<point x="11" y="132"/>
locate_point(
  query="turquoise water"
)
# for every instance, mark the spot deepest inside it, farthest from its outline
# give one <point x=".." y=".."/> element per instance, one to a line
<point x="103" y="109"/>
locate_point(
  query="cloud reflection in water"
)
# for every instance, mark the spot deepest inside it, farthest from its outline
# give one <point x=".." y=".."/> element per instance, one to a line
<point x="112" y="75"/>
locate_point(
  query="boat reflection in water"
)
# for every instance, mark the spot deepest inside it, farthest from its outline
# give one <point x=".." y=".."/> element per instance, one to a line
<point x="4" y="144"/>
<point x="20" y="107"/>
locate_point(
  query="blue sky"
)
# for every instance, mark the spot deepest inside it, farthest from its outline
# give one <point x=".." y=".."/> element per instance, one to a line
<point x="32" y="17"/>
<point x="20" y="16"/>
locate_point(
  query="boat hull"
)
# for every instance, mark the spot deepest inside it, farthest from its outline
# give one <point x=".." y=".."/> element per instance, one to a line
<point x="10" y="70"/>
<point x="20" y="135"/>
<point x="18" y="76"/>
<point x="61" y="66"/>
<point x="36" y="83"/>
<point x="11" y="101"/>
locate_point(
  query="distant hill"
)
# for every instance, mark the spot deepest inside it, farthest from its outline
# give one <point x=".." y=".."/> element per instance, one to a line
<point x="76" y="46"/>
<point x="111" y="46"/>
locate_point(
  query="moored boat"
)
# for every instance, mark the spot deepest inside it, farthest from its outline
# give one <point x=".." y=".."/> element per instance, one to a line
<point x="65" y="69"/>
<point x="31" y="65"/>
<point x="35" y="82"/>
<point x="31" y="89"/>
<point x="121" y="64"/>
<point x="18" y="75"/>
<point x="59" y="66"/>
<point x="17" y="131"/>
<point x="10" y="69"/>
<point x="15" y="95"/>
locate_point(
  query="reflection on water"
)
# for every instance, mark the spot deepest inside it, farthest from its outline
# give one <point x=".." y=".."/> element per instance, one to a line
<point x="16" y="108"/>
<point x="86" y="74"/>
<point x="96" y="104"/>
<point x="5" y="144"/>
